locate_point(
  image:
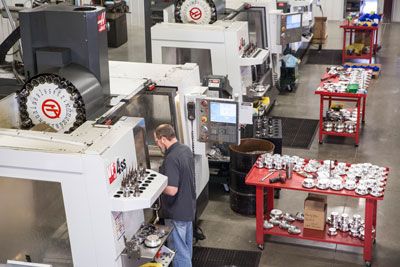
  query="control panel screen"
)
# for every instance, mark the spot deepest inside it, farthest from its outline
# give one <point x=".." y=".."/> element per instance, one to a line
<point x="223" y="112"/>
<point x="293" y="21"/>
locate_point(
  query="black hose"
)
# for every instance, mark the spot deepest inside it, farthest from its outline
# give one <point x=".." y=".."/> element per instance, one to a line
<point x="8" y="43"/>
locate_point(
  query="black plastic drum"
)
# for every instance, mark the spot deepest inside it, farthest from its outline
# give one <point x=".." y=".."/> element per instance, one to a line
<point x="243" y="157"/>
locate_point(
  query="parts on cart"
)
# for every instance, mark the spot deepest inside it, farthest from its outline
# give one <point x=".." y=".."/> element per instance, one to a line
<point x="198" y="11"/>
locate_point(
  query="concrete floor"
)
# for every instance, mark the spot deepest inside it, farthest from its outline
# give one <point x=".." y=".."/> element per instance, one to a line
<point x="380" y="144"/>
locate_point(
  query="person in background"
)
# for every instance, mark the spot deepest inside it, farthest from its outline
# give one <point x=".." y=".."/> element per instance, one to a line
<point x="178" y="201"/>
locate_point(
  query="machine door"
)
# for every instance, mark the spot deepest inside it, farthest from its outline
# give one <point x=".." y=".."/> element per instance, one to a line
<point x="156" y="107"/>
<point x="33" y="222"/>
<point x="257" y="21"/>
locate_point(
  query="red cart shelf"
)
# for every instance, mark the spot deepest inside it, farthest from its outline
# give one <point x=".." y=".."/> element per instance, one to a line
<point x="350" y="29"/>
<point x="359" y="99"/>
<point x="254" y="178"/>
<point x="315" y="235"/>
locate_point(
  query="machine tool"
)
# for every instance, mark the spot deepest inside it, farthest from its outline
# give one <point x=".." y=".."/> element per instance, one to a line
<point x="270" y="20"/>
<point x="75" y="141"/>
<point x="222" y="48"/>
<point x="74" y="187"/>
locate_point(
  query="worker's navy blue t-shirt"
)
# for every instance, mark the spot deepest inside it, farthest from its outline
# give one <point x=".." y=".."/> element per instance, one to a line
<point x="178" y="166"/>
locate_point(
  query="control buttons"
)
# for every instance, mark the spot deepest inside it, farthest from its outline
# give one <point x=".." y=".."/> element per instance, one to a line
<point x="204" y="103"/>
<point x="204" y="119"/>
<point x="204" y="129"/>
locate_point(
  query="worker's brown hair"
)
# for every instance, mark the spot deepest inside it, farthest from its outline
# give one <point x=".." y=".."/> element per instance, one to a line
<point x="165" y="130"/>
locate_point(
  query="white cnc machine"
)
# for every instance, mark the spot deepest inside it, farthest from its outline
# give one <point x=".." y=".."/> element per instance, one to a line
<point x="225" y="43"/>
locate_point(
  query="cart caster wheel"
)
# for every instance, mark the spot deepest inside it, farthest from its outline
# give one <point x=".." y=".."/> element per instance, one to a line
<point x="368" y="264"/>
<point x="374" y="242"/>
<point x="356" y="145"/>
<point x="320" y="142"/>
<point x="363" y="122"/>
<point x="260" y="247"/>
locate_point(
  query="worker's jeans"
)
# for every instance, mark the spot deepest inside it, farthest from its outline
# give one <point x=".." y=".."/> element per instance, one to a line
<point x="181" y="241"/>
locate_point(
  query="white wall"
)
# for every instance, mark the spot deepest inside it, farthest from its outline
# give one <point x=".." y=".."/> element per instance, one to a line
<point x="380" y="6"/>
<point x="396" y="11"/>
<point x="333" y="9"/>
<point x="136" y="17"/>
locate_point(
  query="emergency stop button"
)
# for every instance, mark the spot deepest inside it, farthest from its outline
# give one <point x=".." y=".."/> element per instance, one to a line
<point x="204" y="119"/>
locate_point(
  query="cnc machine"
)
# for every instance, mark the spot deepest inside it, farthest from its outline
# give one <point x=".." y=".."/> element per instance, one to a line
<point x="75" y="162"/>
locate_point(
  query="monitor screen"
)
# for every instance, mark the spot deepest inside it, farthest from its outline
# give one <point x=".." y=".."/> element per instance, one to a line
<point x="223" y="112"/>
<point x="293" y="21"/>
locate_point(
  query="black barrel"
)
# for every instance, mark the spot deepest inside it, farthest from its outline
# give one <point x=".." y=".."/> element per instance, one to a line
<point x="243" y="157"/>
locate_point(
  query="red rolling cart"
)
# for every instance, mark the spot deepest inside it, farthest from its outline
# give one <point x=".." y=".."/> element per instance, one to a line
<point x="349" y="30"/>
<point x="255" y="178"/>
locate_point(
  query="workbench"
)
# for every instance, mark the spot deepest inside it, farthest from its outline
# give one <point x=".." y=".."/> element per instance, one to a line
<point x="349" y="28"/>
<point x="255" y="176"/>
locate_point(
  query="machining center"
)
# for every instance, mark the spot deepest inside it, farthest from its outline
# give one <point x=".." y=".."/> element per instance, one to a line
<point x="75" y="187"/>
<point x="94" y="170"/>
<point x="222" y="48"/>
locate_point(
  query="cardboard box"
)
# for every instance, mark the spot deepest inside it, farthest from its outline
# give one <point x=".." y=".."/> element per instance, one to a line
<point x="320" y="28"/>
<point x="315" y="212"/>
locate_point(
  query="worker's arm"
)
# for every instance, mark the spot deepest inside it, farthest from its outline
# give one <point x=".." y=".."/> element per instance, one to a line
<point x="171" y="190"/>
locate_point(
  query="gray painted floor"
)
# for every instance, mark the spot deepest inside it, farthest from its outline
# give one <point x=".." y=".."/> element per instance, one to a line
<point x="380" y="144"/>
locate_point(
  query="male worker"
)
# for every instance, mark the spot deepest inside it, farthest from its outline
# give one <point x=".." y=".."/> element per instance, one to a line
<point x="178" y="201"/>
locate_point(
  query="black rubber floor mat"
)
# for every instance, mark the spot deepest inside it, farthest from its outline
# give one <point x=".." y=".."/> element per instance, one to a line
<point x="324" y="57"/>
<point x="216" y="257"/>
<point x="297" y="132"/>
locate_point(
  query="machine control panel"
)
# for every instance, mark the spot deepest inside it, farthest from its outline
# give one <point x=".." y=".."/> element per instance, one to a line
<point x="218" y="120"/>
<point x="290" y="28"/>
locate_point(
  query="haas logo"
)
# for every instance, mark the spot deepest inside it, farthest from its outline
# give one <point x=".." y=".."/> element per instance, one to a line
<point x="114" y="169"/>
<point x="101" y="22"/>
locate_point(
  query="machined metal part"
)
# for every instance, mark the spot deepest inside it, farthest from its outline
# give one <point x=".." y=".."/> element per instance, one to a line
<point x="275" y="221"/>
<point x="336" y="184"/>
<point x="350" y="184"/>
<point x="276" y="213"/>
<point x="323" y="184"/>
<point x="300" y="216"/>
<point x="152" y="241"/>
<point x="294" y="230"/>
<point x="289" y="217"/>
<point x="361" y="190"/>
<point x="332" y="231"/>
<point x="268" y="225"/>
<point x="284" y="225"/>
<point x="308" y="183"/>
